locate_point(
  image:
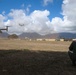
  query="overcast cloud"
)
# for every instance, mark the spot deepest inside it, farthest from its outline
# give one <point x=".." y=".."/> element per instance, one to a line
<point x="38" y="21"/>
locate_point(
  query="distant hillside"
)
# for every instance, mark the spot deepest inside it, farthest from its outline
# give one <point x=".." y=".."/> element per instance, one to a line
<point x="4" y="35"/>
<point x="67" y="35"/>
<point x="36" y="35"/>
<point x="30" y="35"/>
<point x="53" y="35"/>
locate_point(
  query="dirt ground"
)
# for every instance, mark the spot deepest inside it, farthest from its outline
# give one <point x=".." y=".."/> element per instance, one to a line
<point x="16" y="62"/>
<point x="6" y="44"/>
<point x="49" y="58"/>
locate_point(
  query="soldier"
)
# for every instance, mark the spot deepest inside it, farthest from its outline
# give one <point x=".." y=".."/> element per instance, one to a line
<point x="72" y="52"/>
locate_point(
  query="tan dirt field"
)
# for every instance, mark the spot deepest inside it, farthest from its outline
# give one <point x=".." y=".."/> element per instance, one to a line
<point x="34" y="45"/>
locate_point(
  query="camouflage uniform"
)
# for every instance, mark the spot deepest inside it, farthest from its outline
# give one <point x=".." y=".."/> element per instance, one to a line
<point x="72" y="52"/>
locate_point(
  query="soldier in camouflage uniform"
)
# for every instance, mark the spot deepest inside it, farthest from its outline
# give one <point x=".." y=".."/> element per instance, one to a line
<point x="72" y="52"/>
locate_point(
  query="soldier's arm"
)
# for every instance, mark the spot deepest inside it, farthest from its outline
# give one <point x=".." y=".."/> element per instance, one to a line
<point x="71" y="46"/>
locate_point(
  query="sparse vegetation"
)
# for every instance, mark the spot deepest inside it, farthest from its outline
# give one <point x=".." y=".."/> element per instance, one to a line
<point x="13" y="36"/>
<point x="34" y="45"/>
<point x="20" y="57"/>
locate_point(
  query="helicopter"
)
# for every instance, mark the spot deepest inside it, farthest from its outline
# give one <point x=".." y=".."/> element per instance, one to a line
<point x="4" y="29"/>
<point x="21" y="24"/>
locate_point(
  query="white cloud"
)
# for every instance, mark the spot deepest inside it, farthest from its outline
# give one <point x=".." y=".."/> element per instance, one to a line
<point x="38" y="21"/>
<point x="27" y="9"/>
<point x="65" y="1"/>
<point x="3" y="13"/>
<point x="2" y="18"/>
<point x="46" y="2"/>
<point x="68" y="23"/>
<point x="61" y="25"/>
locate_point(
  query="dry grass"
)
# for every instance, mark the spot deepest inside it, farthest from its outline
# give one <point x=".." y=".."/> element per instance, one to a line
<point x="34" y="45"/>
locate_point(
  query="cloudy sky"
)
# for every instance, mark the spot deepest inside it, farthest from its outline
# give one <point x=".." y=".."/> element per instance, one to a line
<point x="41" y="16"/>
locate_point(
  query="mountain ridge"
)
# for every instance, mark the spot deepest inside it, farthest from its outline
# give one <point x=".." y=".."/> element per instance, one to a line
<point x="47" y="36"/>
<point x="4" y="35"/>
